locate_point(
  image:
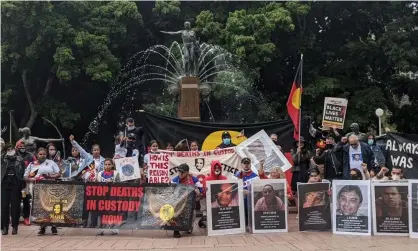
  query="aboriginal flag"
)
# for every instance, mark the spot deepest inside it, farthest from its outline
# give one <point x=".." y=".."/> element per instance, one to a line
<point x="293" y="103"/>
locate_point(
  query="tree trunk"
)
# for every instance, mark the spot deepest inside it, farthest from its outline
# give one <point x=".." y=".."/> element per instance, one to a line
<point x="33" y="113"/>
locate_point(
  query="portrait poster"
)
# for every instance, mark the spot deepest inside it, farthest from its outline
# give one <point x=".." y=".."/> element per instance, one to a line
<point x="334" y="112"/>
<point x="58" y="203"/>
<point x="314" y="206"/>
<point x="260" y="147"/>
<point x="268" y="206"/>
<point x="413" y="208"/>
<point x="199" y="162"/>
<point x="390" y="208"/>
<point x="128" y="168"/>
<point x="351" y="209"/>
<point x="225" y="207"/>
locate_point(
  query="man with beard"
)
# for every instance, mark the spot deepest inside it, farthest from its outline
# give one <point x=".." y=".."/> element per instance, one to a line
<point x="390" y="204"/>
<point x="27" y="159"/>
<point x="12" y="171"/>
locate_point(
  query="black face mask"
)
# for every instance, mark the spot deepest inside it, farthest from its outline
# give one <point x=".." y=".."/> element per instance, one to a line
<point x="329" y="146"/>
<point x="276" y="143"/>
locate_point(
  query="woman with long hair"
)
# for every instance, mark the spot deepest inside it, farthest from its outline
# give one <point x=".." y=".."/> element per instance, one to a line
<point x="94" y="160"/>
<point x="153" y="150"/>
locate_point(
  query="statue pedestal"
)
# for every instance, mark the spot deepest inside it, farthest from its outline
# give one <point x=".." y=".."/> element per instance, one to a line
<point x="189" y="107"/>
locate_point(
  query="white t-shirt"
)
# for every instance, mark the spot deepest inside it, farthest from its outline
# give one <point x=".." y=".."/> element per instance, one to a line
<point x="356" y="159"/>
<point x="47" y="167"/>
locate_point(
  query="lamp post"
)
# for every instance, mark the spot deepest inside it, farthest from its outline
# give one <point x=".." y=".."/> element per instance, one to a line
<point x="379" y="113"/>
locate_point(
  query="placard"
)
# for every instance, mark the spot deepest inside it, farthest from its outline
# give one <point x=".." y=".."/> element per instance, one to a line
<point x="260" y="147"/>
<point x="225" y="207"/>
<point x="58" y="203"/>
<point x="351" y="209"/>
<point x="334" y="112"/>
<point x="158" y="171"/>
<point x="390" y="208"/>
<point x="268" y="206"/>
<point x="128" y="168"/>
<point x="413" y="208"/>
<point x="314" y="206"/>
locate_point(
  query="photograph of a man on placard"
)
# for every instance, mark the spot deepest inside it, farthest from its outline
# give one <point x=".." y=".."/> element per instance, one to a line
<point x="350" y="200"/>
<point x="391" y="208"/>
<point x="224" y="195"/>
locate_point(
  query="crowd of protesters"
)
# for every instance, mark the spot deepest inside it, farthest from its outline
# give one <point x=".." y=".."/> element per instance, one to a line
<point x="354" y="156"/>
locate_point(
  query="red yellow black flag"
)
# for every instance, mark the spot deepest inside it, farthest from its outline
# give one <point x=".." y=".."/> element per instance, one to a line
<point x="294" y="101"/>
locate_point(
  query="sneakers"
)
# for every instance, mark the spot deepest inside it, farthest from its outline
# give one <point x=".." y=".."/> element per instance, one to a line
<point x="26" y="222"/>
<point x="54" y="230"/>
<point x="115" y="231"/>
<point x="41" y="231"/>
<point x="176" y="234"/>
<point x="201" y="222"/>
<point x="100" y="232"/>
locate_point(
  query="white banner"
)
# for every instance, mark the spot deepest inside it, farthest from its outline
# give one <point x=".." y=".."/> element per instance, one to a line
<point x="199" y="162"/>
<point x="351" y="209"/>
<point x="260" y="147"/>
<point x="390" y="208"/>
<point x="225" y="207"/>
<point x="128" y="168"/>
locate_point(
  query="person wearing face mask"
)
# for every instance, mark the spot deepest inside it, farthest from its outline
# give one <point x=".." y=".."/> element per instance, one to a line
<point x="94" y="161"/>
<point x="138" y="132"/>
<point x="226" y="141"/>
<point x="328" y="158"/>
<point x="12" y="171"/>
<point x="397" y="173"/>
<point x="126" y="147"/>
<point x="54" y="155"/>
<point x="40" y="169"/>
<point x="27" y="159"/>
<point x="354" y="155"/>
<point x="380" y="159"/>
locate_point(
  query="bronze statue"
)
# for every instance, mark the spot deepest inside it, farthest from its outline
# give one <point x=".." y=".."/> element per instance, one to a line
<point x="191" y="48"/>
<point x="355" y="129"/>
<point x="30" y="141"/>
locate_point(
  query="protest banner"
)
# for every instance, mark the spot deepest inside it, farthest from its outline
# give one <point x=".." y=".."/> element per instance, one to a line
<point x="260" y="147"/>
<point x="128" y="168"/>
<point x="351" y="209"/>
<point x="225" y="207"/>
<point x="314" y="206"/>
<point x="199" y="161"/>
<point x="413" y="208"/>
<point x="268" y="206"/>
<point x="390" y="208"/>
<point x="58" y="203"/>
<point x="158" y="168"/>
<point x="334" y="112"/>
<point x="402" y="150"/>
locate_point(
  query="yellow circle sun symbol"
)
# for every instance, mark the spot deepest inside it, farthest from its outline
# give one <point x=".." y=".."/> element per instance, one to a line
<point x="166" y="212"/>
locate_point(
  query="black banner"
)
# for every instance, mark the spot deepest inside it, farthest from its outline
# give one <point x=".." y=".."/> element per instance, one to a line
<point x="166" y="129"/>
<point x="314" y="207"/>
<point x="402" y="150"/>
<point x="114" y="205"/>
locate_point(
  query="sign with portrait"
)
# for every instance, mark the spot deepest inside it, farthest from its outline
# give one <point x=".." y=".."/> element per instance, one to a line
<point x="260" y="147"/>
<point x="58" y="203"/>
<point x="390" y="208"/>
<point x="128" y="168"/>
<point x="268" y="200"/>
<point x="334" y="112"/>
<point x="225" y="207"/>
<point x="351" y="209"/>
<point x="314" y="206"/>
<point x="199" y="162"/>
<point x="413" y="208"/>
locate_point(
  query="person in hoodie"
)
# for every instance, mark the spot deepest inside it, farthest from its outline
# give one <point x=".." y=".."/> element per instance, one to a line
<point x="27" y="158"/>
<point x="247" y="176"/>
<point x="95" y="161"/>
<point x="226" y="141"/>
<point x="215" y="174"/>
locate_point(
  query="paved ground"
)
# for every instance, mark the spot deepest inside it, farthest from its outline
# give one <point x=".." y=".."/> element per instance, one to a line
<point x="85" y="239"/>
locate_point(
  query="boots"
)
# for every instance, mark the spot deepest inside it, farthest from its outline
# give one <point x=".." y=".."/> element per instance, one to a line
<point x="5" y="231"/>
<point x="14" y="231"/>
<point x="202" y="222"/>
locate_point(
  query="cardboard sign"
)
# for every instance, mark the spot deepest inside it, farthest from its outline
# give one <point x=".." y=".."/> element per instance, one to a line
<point x="158" y="171"/>
<point x="334" y="112"/>
<point x="351" y="209"/>
<point x="128" y="168"/>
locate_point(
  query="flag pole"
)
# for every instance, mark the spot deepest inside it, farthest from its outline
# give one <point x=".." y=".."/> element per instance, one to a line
<point x="300" y="98"/>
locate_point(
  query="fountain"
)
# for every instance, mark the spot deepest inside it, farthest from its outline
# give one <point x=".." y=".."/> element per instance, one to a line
<point x="188" y="72"/>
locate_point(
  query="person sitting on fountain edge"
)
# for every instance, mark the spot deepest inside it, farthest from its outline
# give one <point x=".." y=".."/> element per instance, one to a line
<point x="226" y="141"/>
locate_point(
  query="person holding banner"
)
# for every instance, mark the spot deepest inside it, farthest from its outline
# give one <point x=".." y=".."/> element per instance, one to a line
<point x="77" y="162"/>
<point x="275" y="173"/>
<point x="42" y="168"/>
<point x="194" y="145"/>
<point x="301" y="161"/>
<point x="144" y="170"/>
<point x="96" y="160"/>
<point x="12" y="170"/>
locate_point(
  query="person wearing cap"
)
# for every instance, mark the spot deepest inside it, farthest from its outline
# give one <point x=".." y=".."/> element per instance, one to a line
<point x="138" y="132"/>
<point x="226" y="141"/>
<point x="301" y="160"/>
<point x="12" y="172"/>
<point x="246" y="175"/>
<point x="125" y="146"/>
<point x="185" y="178"/>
